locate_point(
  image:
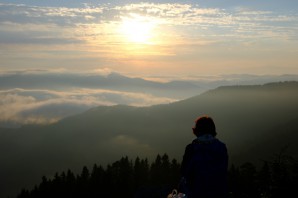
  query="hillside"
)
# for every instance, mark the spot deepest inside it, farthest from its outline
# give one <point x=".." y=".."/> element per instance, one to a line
<point x="254" y="121"/>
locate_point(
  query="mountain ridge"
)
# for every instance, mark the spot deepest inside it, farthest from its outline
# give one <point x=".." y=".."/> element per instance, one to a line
<point x="245" y="117"/>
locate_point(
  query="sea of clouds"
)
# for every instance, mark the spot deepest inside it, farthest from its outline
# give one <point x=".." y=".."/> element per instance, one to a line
<point x="43" y="97"/>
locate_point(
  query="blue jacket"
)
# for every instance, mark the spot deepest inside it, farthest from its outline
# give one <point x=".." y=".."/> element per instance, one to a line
<point x="204" y="167"/>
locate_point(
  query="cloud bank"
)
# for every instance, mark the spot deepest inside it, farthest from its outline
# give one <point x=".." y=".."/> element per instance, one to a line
<point x="46" y="96"/>
<point x="20" y="106"/>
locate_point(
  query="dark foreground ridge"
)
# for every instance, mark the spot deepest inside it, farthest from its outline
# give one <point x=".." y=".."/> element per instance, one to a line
<point x="125" y="178"/>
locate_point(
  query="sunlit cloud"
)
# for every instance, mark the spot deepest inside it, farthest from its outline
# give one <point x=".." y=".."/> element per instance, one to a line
<point x="172" y="34"/>
<point x="101" y="19"/>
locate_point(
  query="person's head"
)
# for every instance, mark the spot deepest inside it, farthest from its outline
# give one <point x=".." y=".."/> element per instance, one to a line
<point x="204" y="125"/>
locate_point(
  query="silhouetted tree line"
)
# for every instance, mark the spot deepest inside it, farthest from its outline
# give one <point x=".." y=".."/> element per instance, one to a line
<point x="275" y="179"/>
<point x="126" y="178"/>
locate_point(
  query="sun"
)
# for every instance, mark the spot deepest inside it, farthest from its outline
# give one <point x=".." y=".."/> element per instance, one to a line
<point x="137" y="29"/>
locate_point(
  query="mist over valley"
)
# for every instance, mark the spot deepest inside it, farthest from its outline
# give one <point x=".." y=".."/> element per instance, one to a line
<point x="44" y="96"/>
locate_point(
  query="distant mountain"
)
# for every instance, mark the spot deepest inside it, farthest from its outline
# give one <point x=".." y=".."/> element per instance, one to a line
<point x="255" y="122"/>
<point x="177" y="89"/>
<point x="43" y="97"/>
<point x="112" y="81"/>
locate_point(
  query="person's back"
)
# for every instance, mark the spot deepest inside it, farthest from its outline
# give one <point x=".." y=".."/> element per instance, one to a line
<point x="204" y="165"/>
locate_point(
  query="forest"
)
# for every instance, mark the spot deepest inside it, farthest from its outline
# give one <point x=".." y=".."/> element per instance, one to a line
<point x="138" y="178"/>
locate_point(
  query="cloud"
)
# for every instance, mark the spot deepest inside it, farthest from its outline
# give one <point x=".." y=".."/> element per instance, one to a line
<point x="41" y="12"/>
<point x="64" y="25"/>
<point x="58" y="71"/>
<point x="176" y="14"/>
<point x="20" y="106"/>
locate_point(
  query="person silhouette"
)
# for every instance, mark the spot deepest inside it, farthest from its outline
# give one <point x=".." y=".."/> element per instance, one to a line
<point x="205" y="163"/>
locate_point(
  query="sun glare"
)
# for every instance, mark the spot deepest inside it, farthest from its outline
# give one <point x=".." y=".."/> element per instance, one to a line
<point x="137" y="29"/>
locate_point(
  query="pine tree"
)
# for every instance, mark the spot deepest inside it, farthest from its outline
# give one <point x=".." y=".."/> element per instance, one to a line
<point x="165" y="170"/>
<point x="233" y="180"/>
<point x="248" y="180"/>
<point x="175" y="174"/>
<point x="83" y="183"/>
<point x="97" y="181"/>
<point x="264" y="180"/>
<point x="156" y="171"/>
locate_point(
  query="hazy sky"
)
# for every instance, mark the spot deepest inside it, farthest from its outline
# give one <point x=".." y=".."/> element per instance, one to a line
<point x="154" y="37"/>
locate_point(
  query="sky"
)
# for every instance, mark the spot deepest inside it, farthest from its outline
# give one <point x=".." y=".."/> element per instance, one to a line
<point x="144" y="38"/>
<point x="62" y="57"/>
